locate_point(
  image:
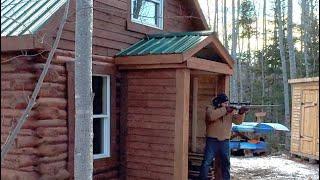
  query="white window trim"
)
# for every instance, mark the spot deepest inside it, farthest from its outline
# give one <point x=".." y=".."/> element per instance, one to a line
<point x="106" y="145"/>
<point x="160" y="15"/>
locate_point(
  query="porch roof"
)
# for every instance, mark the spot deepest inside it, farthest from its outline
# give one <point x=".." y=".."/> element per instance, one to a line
<point x="166" y="43"/>
<point x="199" y="50"/>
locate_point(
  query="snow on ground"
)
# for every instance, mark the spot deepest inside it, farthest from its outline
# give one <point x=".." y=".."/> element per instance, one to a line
<point x="272" y="167"/>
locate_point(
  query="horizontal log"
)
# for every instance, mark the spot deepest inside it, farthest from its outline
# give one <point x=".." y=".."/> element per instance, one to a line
<point x="27" y="141"/>
<point x="151" y="139"/>
<point x="50" y="123"/>
<point x="151" y="154"/>
<point x="52" y="168"/>
<point x="152" y="104"/>
<point x="51" y="131"/>
<point x="152" y="89"/>
<point x="151" y="111"/>
<point x="22" y="132"/>
<point x="54" y="140"/>
<point x="150" y="125"/>
<point x="50" y="159"/>
<point x="16" y="174"/>
<point x="152" y="82"/>
<point x="147" y="160"/>
<point x="43" y="113"/>
<point x="151" y="146"/>
<point x="150" y="118"/>
<point x="60" y="69"/>
<point x="62" y="174"/>
<point x="60" y="103"/>
<point x="22" y="75"/>
<point x="151" y="132"/>
<point x="151" y="96"/>
<point x="51" y="150"/>
<point x="22" y="160"/>
<point x="25" y="151"/>
<point x="155" y="74"/>
<point x="150" y="167"/>
<point x="148" y="174"/>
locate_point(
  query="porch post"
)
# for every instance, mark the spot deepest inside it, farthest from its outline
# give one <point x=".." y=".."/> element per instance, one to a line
<point x="181" y="124"/>
<point x="194" y="113"/>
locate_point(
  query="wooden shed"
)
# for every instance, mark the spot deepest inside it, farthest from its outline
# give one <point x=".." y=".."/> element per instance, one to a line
<point x="168" y="80"/>
<point x="305" y="117"/>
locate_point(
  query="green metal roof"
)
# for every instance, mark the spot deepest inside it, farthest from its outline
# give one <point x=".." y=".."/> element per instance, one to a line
<point x="21" y="17"/>
<point x="166" y="43"/>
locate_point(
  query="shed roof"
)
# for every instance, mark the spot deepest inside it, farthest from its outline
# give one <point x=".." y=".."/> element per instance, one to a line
<point x="166" y="43"/>
<point x="20" y="17"/>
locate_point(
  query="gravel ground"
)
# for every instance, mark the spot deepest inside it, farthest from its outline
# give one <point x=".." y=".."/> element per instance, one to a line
<point x="272" y="167"/>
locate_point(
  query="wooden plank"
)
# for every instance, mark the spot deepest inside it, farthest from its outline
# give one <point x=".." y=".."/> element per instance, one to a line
<point x="210" y="66"/>
<point x="151" y="111"/>
<point x="155" y="74"/>
<point x="123" y="125"/>
<point x="195" y="83"/>
<point x="149" y="59"/>
<point x="162" y="66"/>
<point x="150" y="146"/>
<point x="71" y="117"/>
<point x="182" y="124"/>
<point x="304" y="80"/>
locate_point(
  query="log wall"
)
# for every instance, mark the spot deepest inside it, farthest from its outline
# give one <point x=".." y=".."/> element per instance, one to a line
<point x="44" y="147"/>
<point x="40" y="151"/>
<point x="149" y="133"/>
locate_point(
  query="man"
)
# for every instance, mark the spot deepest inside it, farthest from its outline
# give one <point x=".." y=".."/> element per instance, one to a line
<point x="219" y="119"/>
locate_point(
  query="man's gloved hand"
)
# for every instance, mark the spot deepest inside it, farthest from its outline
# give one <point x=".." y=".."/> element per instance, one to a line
<point x="229" y="109"/>
<point x="243" y="110"/>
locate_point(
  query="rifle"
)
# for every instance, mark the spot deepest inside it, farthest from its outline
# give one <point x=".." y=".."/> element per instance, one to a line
<point x="238" y="105"/>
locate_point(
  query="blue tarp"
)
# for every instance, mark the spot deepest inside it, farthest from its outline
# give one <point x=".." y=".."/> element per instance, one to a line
<point x="258" y="127"/>
<point x="235" y="144"/>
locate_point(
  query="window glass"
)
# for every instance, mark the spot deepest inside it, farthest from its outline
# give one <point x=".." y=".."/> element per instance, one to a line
<point x="147" y="12"/>
<point x="101" y="116"/>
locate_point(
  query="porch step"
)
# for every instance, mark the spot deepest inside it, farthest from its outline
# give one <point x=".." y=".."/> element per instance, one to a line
<point x="195" y="160"/>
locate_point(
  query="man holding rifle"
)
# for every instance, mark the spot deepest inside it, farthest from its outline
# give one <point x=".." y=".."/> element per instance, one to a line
<point x="219" y="119"/>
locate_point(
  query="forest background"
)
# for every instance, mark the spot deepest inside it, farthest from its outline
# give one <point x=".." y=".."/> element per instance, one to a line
<point x="271" y="41"/>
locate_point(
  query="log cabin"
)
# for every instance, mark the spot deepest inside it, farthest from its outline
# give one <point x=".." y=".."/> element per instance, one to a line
<point x="152" y="78"/>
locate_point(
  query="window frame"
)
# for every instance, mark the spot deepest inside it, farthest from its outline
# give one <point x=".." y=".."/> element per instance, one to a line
<point x="106" y="116"/>
<point x="160" y="15"/>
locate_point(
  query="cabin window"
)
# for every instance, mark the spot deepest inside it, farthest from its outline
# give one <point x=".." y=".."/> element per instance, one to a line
<point x="101" y="116"/>
<point x="147" y="12"/>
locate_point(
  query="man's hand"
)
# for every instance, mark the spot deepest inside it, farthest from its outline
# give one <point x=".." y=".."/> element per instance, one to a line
<point x="229" y="109"/>
<point x="243" y="110"/>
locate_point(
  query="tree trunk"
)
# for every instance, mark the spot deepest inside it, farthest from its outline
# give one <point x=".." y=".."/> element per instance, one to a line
<point x="234" y="83"/>
<point x="225" y="24"/>
<point x="209" y="16"/>
<point x="292" y="58"/>
<point x="264" y="32"/>
<point x="284" y="72"/>
<point x="83" y="155"/>
<point x="215" y="23"/>
<point x="304" y="24"/>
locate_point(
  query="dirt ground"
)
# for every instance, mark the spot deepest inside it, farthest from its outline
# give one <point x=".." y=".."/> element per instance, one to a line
<point x="276" y="167"/>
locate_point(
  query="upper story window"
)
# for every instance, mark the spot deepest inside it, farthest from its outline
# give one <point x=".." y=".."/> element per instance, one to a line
<point x="101" y="116"/>
<point x="147" y="12"/>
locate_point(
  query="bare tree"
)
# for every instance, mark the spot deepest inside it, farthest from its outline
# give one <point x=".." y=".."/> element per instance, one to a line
<point x="304" y="25"/>
<point x="234" y="80"/>
<point x="83" y="155"/>
<point x="225" y="32"/>
<point x="284" y="69"/>
<point x="292" y="58"/>
<point x="264" y="32"/>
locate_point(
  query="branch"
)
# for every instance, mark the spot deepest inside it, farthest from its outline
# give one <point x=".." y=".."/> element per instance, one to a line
<point x="13" y="135"/>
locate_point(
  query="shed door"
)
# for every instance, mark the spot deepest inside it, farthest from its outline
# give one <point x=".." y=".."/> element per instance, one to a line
<point x="308" y="121"/>
<point x="316" y="153"/>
